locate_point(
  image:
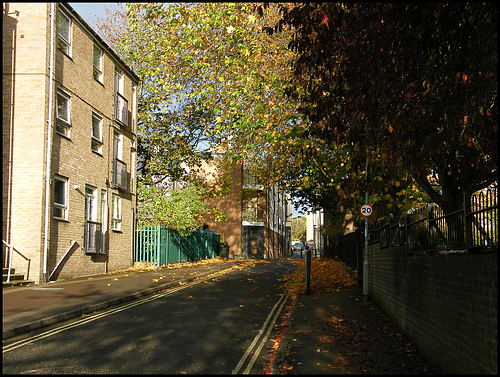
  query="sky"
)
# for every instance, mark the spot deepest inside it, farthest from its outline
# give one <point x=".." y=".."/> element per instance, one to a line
<point x="89" y="10"/>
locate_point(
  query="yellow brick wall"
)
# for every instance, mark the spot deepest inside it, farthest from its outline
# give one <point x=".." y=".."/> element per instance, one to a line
<point x="24" y="146"/>
<point x="24" y="123"/>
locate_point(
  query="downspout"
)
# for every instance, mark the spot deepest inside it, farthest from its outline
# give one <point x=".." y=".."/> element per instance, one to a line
<point x="49" y="144"/>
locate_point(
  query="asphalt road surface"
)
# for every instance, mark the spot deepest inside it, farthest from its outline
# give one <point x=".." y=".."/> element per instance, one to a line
<point x="221" y="325"/>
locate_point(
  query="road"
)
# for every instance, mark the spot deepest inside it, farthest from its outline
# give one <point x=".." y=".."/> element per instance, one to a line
<point x="221" y="325"/>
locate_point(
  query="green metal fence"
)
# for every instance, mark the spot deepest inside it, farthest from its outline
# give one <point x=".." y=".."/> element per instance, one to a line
<point x="162" y="246"/>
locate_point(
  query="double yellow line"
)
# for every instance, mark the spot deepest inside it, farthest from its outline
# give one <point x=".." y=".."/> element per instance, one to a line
<point x="94" y="317"/>
<point x="262" y="337"/>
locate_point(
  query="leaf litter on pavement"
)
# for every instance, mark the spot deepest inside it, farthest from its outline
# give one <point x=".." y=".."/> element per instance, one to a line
<point x="327" y="275"/>
<point x="369" y="345"/>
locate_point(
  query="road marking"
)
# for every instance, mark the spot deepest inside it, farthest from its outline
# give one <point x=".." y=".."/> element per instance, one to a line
<point x="275" y="311"/>
<point x="83" y="321"/>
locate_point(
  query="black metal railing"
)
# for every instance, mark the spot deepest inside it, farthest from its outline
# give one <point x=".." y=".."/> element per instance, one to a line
<point x="429" y="228"/>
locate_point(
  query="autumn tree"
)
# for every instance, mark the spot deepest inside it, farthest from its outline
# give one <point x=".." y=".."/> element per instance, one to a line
<point x="215" y="56"/>
<point x="299" y="229"/>
<point x="210" y="79"/>
<point x="409" y="87"/>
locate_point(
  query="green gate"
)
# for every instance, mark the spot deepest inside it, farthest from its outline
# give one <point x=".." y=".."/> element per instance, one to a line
<point x="161" y="246"/>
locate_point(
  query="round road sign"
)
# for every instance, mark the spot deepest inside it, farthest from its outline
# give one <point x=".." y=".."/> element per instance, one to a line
<point x="366" y="210"/>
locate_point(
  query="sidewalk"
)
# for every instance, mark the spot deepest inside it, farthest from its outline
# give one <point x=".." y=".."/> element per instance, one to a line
<point x="32" y="307"/>
<point x="338" y="333"/>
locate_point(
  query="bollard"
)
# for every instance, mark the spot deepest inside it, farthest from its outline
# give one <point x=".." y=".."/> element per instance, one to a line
<point x="308" y="270"/>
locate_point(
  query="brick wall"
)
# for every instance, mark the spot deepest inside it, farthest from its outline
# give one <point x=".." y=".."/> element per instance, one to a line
<point x="75" y="159"/>
<point x="26" y="109"/>
<point x="445" y="304"/>
<point x="25" y="88"/>
<point x="230" y="230"/>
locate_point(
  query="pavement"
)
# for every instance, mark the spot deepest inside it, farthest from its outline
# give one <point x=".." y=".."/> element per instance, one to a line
<point x="340" y="333"/>
<point x="344" y="333"/>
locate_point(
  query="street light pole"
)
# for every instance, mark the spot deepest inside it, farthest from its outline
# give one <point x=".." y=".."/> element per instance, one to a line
<point x="366" y="264"/>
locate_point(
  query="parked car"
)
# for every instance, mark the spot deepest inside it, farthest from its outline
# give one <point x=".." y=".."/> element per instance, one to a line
<point x="298" y="246"/>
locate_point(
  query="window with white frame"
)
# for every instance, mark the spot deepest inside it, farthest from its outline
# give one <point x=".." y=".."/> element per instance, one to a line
<point x="118" y="146"/>
<point x="103" y="218"/>
<point x="97" y="63"/>
<point x="96" y="139"/>
<point x="121" y="104"/>
<point x="92" y="242"/>
<point x="119" y="82"/>
<point x="63" y="121"/>
<point x="116" y="212"/>
<point x="90" y="203"/>
<point x="60" y="197"/>
<point x="64" y="32"/>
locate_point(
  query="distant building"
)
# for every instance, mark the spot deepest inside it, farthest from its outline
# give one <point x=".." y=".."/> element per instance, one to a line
<point x="257" y="217"/>
<point x="69" y="145"/>
<point x="315" y="222"/>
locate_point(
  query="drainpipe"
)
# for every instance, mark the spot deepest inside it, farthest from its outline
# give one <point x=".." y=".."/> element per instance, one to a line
<point x="49" y="144"/>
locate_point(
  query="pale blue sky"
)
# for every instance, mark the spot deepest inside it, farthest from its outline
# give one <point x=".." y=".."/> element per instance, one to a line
<point x="89" y="10"/>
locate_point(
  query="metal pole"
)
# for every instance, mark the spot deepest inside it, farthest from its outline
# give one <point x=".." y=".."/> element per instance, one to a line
<point x="49" y="144"/>
<point x="366" y="265"/>
<point x="308" y="270"/>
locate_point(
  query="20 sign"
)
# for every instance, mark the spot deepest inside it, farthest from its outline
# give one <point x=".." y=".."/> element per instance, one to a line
<point x="366" y="210"/>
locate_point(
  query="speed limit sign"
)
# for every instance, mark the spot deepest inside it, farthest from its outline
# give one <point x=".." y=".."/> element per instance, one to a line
<point x="366" y="210"/>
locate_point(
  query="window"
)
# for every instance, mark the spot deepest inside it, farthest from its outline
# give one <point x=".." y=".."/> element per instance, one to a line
<point x="116" y="213"/>
<point x="90" y="203"/>
<point x="104" y="219"/>
<point x="118" y="146"/>
<point x="64" y="33"/>
<point x="96" y="133"/>
<point x="119" y="82"/>
<point x="251" y="211"/>
<point x="92" y="240"/>
<point x="121" y="104"/>
<point x="97" y="62"/>
<point x="120" y="175"/>
<point x="63" y="121"/>
<point x="60" y="197"/>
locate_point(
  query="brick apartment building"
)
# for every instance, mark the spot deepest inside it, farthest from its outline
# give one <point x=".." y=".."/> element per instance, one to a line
<point x="257" y="217"/>
<point x="69" y="138"/>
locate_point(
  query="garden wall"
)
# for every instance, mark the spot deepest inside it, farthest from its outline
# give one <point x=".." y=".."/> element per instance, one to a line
<point x="446" y="305"/>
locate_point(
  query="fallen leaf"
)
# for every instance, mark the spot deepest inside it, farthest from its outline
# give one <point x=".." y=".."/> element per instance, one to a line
<point x="190" y="297"/>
